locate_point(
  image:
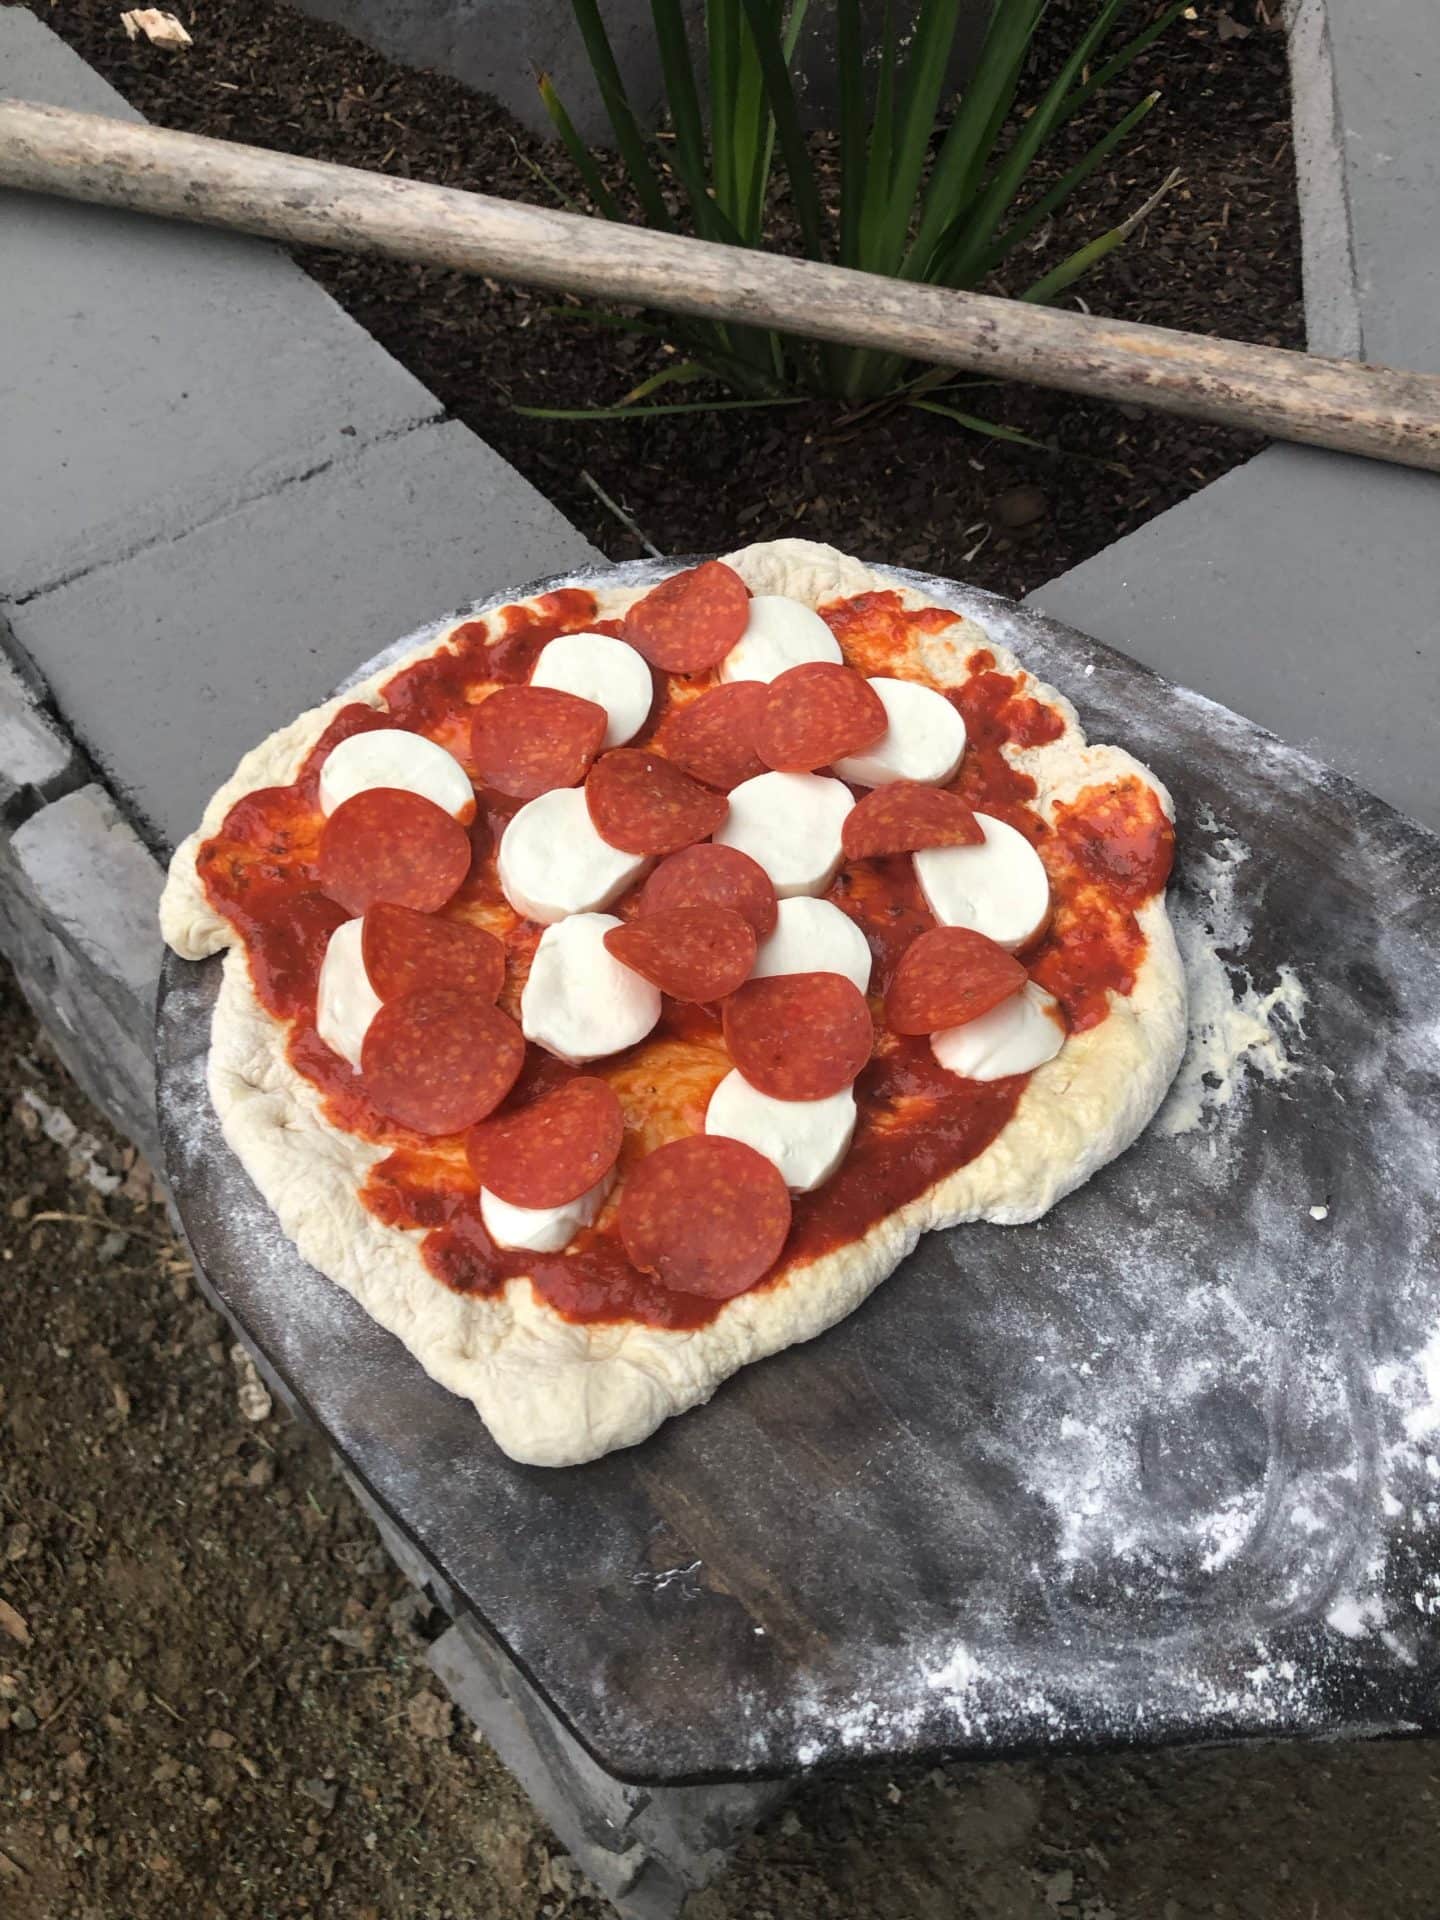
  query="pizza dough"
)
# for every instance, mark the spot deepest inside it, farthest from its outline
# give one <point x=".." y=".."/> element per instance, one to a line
<point x="555" y="1391"/>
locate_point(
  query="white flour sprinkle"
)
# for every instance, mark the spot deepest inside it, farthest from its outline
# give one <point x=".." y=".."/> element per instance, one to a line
<point x="1233" y="1024"/>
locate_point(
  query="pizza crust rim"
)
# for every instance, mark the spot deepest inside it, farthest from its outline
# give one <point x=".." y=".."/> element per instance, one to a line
<point x="557" y="1393"/>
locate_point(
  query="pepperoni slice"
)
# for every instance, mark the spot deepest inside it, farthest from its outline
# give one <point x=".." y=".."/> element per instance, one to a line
<point x="816" y="713"/>
<point x="438" y="1062"/>
<point x="691" y="621"/>
<point x="386" y="844"/>
<point x="691" y="953"/>
<point x="799" y="1036"/>
<point x="948" y="976"/>
<point x="640" y="803"/>
<point x="714" y="737"/>
<point x="409" y="952"/>
<point x="524" y="741"/>
<point x="906" y="817"/>
<point x="705" y="1215"/>
<point x="557" y="1148"/>
<point x="711" y="876"/>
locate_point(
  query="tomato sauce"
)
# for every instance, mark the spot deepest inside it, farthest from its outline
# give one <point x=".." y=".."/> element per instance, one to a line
<point x="1107" y="852"/>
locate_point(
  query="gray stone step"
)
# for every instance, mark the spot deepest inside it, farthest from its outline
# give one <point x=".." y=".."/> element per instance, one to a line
<point x="1302" y="589"/>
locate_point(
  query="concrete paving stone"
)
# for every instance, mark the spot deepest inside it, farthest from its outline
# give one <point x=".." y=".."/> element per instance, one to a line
<point x="155" y="374"/>
<point x="216" y="639"/>
<point x="35" y="757"/>
<point x="98" y="889"/>
<point x="1385" y="56"/>
<point x="1302" y="589"/>
<point x="107" y="1049"/>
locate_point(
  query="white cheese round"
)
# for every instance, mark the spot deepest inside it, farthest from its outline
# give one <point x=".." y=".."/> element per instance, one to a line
<point x="597" y="667"/>
<point x="1022" y="1033"/>
<point x="812" y="936"/>
<point x="346" y="1002"/>
<point x="924" y="741"/>
<point x="999" y="888"/>
<point x="542" y="1229"/>
<point x="779" y="634"/>
<point x="805" y="1139"/>
<point x="392" y="757"/>
<point x="553" y="862"/>
<point x="580" y="1002"/>
<point x="789" y="823"/>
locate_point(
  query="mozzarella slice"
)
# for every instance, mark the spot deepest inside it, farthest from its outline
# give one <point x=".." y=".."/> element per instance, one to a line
<point x="924" y="741"/>
<point x="580" y="1002"/>
<point x="1022" y="1033"/>
<point x="542" y="1229"/>
<point x="594" y="666"/>
<point x="805" y="1139"/>
<point x="780" y="633"/>
<point x="553" y="862"/>
<point x="1001" y="888"/>
<point x="391" y="757"/>
<point x="789" y="823"/>
<point x="812" y="936"/>
<point x="345" y="1003"/>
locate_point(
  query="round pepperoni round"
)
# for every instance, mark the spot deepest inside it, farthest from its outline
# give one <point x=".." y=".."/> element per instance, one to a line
<point x="643" y="804"/>
<point x="691" y="953"/>
<point x="438" y="1062"/>
<point x="524" y="741"/>
<point x="799" y="1036"/>
<point x="714" y="737"/>
<point x="711" y="876"/>
<point x="815" y="714"/>
<point x="905" y="818"/>
<point x="387" y="844"/>
<point x="552" y="1151"/>
<point x="409" y="952"/>
<point x="691" y="621"/>
<point x="947" y="977"/>
<point x="705" y="1215"/>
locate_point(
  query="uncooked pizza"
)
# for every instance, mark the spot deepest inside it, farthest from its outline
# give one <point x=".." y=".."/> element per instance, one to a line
<point x="616" y="988"/>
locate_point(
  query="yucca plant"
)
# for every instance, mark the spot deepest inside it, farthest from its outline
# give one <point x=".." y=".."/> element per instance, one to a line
<point x="919" y="197"/>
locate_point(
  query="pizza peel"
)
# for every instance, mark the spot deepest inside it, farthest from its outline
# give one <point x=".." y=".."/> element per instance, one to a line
<point x="1155" y="1469"/>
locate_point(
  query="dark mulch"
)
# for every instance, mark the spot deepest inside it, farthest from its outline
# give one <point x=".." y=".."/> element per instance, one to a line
<point x="1221" y="255"/>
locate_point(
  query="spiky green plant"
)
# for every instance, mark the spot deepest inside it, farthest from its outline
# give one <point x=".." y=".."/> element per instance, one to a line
<point x="920" y="197"/>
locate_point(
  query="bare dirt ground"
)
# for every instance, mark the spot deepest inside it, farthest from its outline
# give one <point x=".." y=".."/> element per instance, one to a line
<point x="213" y="1701"/>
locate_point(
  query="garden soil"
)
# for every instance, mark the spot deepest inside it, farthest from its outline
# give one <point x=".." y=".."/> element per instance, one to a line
<point x="1220" y="255"/>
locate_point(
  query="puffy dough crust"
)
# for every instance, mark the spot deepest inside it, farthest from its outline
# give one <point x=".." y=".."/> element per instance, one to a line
<point x="553" y="1393"/>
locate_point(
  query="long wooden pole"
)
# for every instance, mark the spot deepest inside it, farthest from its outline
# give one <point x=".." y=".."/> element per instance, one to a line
<point x="1380" y="411"/>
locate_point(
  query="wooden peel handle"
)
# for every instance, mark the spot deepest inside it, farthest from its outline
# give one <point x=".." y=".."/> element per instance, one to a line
<point x="1379" y="411"/>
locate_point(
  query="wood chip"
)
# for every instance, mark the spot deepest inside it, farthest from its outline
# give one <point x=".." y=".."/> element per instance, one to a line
<point x="13" y="1623"/>
<point x="159" y="28"/>
<point x="251" y="1394"/>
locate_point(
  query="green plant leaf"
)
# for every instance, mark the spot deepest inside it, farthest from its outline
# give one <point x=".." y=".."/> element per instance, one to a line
<point x="1022" y="228"/>
<point x="1084" y="258"/>
<point x="578" y="151"/>
<point x="934" y="36"/>
<point x="650" y="413"/>
<point x="780" y="93"/>
<point x="875" y="187"/>
<point x="850" y="63"/>
<point x="992" y="429"/>
<point x="1119" y="61"/>
<point x="722" y="29"/>
<point x="963" y="260"/>
<point x="972" y="132"/>
<point x="687" y="123"/>
<point x="628" y="137"/>
<point x="681" y="373"/>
